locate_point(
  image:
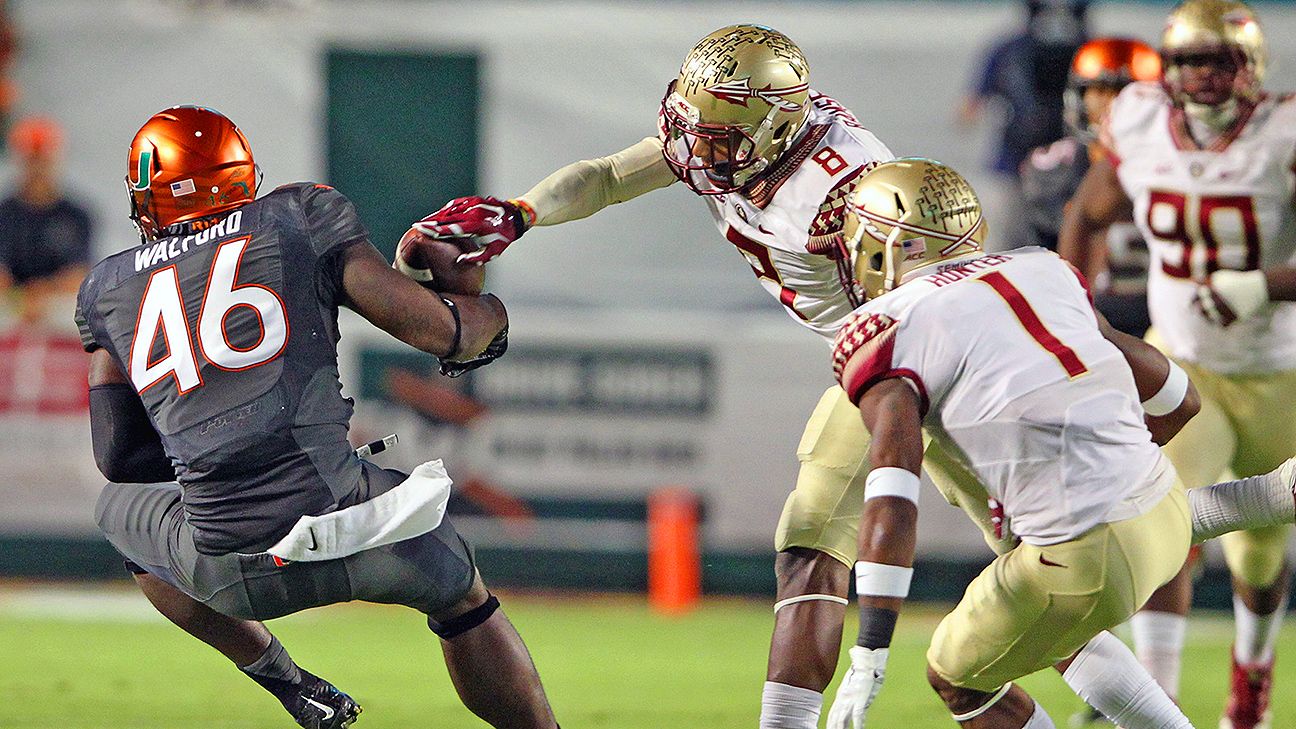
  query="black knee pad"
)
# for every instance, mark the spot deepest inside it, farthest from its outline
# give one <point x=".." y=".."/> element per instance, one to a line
<point x="460" y="624"/>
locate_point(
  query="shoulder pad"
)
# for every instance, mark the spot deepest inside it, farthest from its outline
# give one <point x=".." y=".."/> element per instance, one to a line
<point x="862" y="351"/>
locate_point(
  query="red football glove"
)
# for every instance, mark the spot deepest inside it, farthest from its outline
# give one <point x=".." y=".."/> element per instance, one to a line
<point x="489" y="223"/>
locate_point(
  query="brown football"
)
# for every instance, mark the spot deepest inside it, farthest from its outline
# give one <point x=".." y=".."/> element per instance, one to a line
<point x="431" y="262"/>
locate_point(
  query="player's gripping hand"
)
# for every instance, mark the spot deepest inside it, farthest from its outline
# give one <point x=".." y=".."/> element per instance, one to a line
<point x="861" y="685"/>
<point x="489" y="223"/>
<point x="1228" y="296"/>
<point x="493" y="351"/>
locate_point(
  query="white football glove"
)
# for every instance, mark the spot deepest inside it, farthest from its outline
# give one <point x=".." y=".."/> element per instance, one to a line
<point x="861" y="685"/>
<point x="1228" y="296"/>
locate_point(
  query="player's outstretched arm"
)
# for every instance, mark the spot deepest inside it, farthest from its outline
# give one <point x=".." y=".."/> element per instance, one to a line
<point x="417" y="316"/>
<point x="1169" y="398"/>
<point x="887" y="540"/>
<point x="126" y="447"/>
<point x="1098" y="202"/>
<point x="573" y="192"/>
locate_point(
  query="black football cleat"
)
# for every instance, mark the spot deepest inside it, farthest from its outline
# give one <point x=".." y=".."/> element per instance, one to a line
<point x="320" y="705"/>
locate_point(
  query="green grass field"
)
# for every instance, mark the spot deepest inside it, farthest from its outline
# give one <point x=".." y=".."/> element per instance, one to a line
<point x="82" y="658"/>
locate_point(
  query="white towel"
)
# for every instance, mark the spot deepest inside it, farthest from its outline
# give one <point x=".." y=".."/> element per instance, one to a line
<point x="413" y="507"/>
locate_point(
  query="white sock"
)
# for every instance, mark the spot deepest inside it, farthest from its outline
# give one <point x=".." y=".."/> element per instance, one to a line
<point x="1158" y="642"/>
<point x="1257" y="635"/>
<point x="1108" y="676"/>
<point x="789" y="707"/>
<point x="1039" y="720"/>
<point x="1246" y="503"/>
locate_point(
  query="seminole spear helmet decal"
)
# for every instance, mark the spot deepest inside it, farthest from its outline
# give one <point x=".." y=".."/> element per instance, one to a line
<point x="741" y="99"/>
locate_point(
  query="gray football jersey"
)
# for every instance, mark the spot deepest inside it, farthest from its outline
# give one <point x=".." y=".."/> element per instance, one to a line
<point x="228" y="331"/>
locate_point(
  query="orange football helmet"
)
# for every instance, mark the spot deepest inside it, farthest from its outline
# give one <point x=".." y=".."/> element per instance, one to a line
<point x="185" y="163"/>
<point x="1109" y="62"/>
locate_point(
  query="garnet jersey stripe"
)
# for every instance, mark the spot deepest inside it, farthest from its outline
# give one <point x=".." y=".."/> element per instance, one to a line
<point x="1031" y="322"/>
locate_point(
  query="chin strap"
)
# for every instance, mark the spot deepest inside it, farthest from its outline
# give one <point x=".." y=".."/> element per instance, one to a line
<point x="1205" y="119"/>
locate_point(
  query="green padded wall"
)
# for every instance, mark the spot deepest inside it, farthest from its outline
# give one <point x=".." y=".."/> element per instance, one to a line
<point x="402" y="134"/>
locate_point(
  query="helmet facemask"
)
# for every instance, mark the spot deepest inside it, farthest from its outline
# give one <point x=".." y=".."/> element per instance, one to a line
<point x="906" y="217"/>
<point x="712" y="159"/>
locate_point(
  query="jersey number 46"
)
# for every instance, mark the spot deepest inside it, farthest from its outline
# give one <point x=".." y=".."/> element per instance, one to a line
<point x="162" y="313"/>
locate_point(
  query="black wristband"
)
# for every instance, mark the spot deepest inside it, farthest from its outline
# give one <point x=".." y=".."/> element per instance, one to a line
<point x="454" y="343"/>
<point x="876" y="627"/>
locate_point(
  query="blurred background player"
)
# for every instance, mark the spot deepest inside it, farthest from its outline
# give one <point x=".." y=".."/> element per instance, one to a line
<point x="1005" y="360"/>
<point x="774" y="160"/>
<point x="1051" y="174"/>
<point x="1203" y="161"/>
<point x="216" y="412"/>
<point x="45" y="235"/>
<point x="1023" y="79"/>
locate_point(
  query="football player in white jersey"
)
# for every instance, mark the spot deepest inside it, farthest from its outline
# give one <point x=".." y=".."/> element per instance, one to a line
<point x="1004" y="361"/>
<point x="774" y="161"/>
<point x="1204" y="161"/>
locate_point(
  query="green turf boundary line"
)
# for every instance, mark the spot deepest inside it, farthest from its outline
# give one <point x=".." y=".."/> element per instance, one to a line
<point x="723" y="573"/>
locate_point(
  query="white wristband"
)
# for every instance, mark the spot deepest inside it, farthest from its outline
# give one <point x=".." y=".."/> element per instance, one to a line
<point x="1170" y="396"/>
<point x="891" y="481"/>
<point x="874" y="579"/>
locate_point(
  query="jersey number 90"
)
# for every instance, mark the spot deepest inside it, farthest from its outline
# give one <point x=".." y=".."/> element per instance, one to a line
<point x="162" y="309"/>
<point x="1199" y="236"/>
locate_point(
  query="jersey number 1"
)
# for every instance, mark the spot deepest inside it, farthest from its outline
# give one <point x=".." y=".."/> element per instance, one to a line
<point x="1031" y="322"/>
<point x="162" y="309"/>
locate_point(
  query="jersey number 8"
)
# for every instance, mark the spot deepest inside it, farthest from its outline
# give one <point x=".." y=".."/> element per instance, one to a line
<point x="162" y="309"/>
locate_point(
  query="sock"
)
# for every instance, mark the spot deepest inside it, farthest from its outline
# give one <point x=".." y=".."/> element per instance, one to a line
<point x="275" y="671"/>
<point x="1108" y="676"/>
<point x="1039" y="720"/>
<point x="1158" y="642"/>
<point x="1246" y="503"/>
<point x="1257" y="635"/>
<point x="789" y="707"/>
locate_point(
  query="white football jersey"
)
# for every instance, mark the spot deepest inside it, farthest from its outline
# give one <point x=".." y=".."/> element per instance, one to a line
<point x="785" y="225"/>
<point x="1015" y="378"/>
<point x="1200" y="210"/>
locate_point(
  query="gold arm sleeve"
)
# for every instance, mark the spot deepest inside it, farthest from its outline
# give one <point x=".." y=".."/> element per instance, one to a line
<point x="583" y="188"/>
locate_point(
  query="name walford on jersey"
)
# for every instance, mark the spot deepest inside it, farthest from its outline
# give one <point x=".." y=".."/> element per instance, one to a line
<point x="166" y="249"/>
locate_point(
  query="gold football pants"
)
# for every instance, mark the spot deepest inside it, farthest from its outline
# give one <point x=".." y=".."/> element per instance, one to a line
<point x="823" y="512"/>
<point x="1245" y="428"/>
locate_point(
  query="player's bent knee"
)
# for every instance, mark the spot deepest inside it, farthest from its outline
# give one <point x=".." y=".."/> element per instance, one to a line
<point x="802" y="570"/>
<point x="456" y="626"/>
<point x="1257" y="557"/>
<point x="962" y="701"/>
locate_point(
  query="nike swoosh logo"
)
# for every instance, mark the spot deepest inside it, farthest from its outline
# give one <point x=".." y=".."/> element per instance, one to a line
<point x="328" y="710"/>
<point x="1046" y="561"/>
<point x="313" y="546"/>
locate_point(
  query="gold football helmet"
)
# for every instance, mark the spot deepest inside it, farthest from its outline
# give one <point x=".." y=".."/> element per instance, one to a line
<point x="742" y="97"/>
<point x="906" y="215"/>
<point x="1224" y="31"/>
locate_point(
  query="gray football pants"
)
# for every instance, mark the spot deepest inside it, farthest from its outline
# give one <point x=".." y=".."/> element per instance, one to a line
<point x="145" y="522"/>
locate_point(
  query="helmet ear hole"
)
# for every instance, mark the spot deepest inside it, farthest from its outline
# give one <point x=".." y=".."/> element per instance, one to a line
<point x="875" y="261"/>
<point x="782" y="130"/>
